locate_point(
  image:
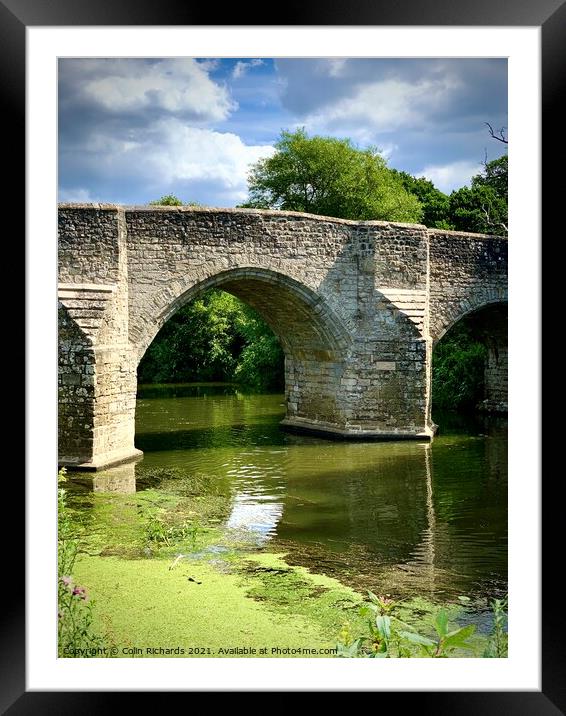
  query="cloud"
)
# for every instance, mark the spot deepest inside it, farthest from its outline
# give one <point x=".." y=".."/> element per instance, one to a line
<point x="131" y="130"/>
<point x="169" y="157"/>
<point x="364" y="98"/>
<point x="448" y="177"/>
<point x="184" y="153"/>
<point x="381" y="108"/>
<point x="336" y="67"/>
<point x="126" y="86"/>
<point x="241" y="67"/>
<point x="139" y="128"/>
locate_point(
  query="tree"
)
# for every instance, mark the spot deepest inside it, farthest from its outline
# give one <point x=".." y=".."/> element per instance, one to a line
<point x="458" y="370"/>
<point x="435" y="204"/>
<point x="214" y="337"/>
<point x="172" y="200"/>
<point x="482" y="208"/>
<point x="167" y="200"/>
<point x="500" y="136"/>
<point x="323" y="175"/>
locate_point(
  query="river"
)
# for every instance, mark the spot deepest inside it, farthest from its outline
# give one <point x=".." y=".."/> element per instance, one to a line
<point x="400" y="518"/>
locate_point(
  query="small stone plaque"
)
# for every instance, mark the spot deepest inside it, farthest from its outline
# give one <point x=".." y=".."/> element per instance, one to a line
<point x="385" y="365"/>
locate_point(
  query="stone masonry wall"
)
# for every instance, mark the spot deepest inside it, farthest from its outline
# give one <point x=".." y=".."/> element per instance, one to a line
<point x="492" y="331"/>
<point x="76" y="392"/>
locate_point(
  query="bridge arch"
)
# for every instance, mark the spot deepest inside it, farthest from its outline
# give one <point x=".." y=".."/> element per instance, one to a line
<point x="488" y="323"/>
<point x="306" y="326"/>
<point x="357" y="307"/>
<point x="315" y="341"/>
<point x="474" y="302"/>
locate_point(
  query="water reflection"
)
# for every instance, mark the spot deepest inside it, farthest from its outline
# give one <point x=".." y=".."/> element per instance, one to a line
<point x="253" y="520"/>
<point x="121" y="478"/>
<point x="400" y="518"/>
<point x="118" y="479"/>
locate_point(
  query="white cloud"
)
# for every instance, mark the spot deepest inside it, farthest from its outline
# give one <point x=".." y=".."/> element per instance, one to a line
<point x="172" y="154"/>
<point x="180" y="86"/>
<point x="240" y="68"/>
<point x="380" y="107"/>
<point x="448" y="177"/>
<point x="387" y="150"/>
<point x="187" y="153"/>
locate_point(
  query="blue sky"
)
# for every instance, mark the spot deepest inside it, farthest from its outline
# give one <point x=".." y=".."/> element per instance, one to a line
<point x="132" y="130"/>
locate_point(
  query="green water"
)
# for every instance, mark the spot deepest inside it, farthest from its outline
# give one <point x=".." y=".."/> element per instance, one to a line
<point x="403" y="519"/>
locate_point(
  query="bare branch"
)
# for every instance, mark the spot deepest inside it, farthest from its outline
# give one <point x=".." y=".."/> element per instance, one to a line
<point x="500" y="136"/>
<point x="489" y="222"/>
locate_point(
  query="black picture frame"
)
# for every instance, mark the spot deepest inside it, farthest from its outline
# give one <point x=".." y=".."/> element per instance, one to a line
<point x="550" y="16"/>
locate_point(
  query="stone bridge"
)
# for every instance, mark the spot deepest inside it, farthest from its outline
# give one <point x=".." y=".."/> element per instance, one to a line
<point x="356" y="305"/>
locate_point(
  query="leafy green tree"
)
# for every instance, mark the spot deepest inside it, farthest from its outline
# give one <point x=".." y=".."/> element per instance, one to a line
<point x="435" y="204"/>
<point x="167" y="200"/>
<point x="458" y="370"/>
<point x="172" y="200"/>
<point x="216" y="337"/>
<point x="483" y="207"/>
<point x="332" y="177"/>
<point x="261" y="362"/>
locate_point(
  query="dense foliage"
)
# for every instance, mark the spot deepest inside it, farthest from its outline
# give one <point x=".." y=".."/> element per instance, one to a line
<point x="480" y="208"/>
<point x="390" y="636"/>
<point x="172" y="200"/>
<point x="328" y="176"/>
<point x="324" y="175"/>
<point x="216" y="337"/>
<point x="167" y="200"/>
<point x="435" y="204"/>
<point x="458" y="370"/>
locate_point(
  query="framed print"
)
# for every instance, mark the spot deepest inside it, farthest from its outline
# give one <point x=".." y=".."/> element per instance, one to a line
<point x="60" y="55"/>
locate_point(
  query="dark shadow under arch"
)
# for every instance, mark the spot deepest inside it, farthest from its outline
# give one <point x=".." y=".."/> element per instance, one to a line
<point x="470" y="313"/>
<point x="488" y="324"/>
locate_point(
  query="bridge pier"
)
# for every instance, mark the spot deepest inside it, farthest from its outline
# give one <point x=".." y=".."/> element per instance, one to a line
<point x="363" y="397"/>
<point x="494" y="335"/>
<point x="355" y="305"/>
<point x="97" y="402"/>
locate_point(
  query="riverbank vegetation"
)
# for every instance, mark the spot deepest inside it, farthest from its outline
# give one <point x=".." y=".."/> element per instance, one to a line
<point x="458" y="370"/>
<point x="168" y="579"/>
<point x="76" y="635"/>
